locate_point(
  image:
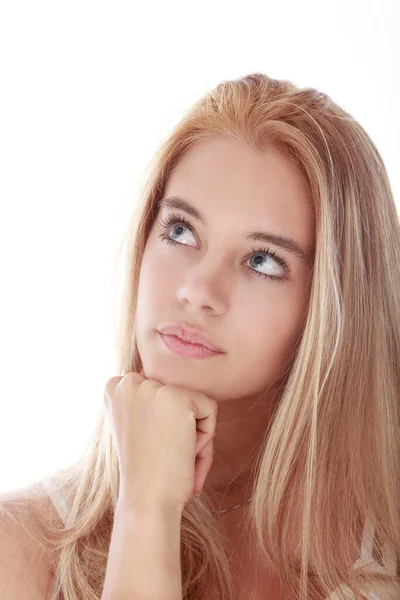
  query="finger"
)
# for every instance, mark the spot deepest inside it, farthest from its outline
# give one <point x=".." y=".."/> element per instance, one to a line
<point x="203" y="438"/>
<point x="206" y="418"/>
<point x="110" y="387"/>
<point x="204" y="461"/>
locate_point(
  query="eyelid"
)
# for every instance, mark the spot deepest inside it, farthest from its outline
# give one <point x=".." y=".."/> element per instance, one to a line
<point x="173" y="219"/>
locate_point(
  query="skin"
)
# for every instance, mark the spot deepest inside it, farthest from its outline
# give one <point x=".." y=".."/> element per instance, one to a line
<point x="208" y="281"/>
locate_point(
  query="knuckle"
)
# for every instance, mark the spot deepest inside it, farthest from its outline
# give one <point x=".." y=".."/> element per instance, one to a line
<point x="175" y="397"/>
<point x="214" y="403"/>
<point x="148" y="385"/>
<point x="109" y="388"/>
<point x="166" y="394"/>
<point x="127" y="379"/>
<point x="214" y="407"/>
<point x="112" y="381"/>
<point x="129" y="382"/>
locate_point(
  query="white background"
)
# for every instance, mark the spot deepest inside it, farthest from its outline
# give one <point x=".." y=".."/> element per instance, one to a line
<point x="88" y="91"/>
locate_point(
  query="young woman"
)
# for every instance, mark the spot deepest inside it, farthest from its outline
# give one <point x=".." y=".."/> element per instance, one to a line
<point x="249" y="447"/>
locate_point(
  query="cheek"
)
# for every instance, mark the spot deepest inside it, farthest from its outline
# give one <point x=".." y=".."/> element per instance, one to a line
<point x="266" y="330"/>
<point x="156" y="272"/>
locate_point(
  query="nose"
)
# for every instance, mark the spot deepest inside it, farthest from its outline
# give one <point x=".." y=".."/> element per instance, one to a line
<point x="205" y="288"/>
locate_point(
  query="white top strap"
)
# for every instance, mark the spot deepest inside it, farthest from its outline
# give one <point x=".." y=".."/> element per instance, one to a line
<point x="57" y="499"/>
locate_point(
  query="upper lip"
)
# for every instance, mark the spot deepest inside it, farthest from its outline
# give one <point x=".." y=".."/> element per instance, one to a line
<point x="190" y="333"/>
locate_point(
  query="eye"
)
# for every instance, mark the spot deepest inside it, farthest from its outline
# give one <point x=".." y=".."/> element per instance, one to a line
<point x="170" y="222"/>
<point x="284" y="267"/>
<point x="176" y="219"/>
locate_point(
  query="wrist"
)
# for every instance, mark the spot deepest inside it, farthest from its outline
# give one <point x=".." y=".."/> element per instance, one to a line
<point x="128" y="503"/>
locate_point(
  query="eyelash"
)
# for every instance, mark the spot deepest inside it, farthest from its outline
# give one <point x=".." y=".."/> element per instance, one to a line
<point x="174" y="219"/>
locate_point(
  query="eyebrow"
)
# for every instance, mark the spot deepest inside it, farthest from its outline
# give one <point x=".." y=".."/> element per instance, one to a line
<point x="288" y="244"/>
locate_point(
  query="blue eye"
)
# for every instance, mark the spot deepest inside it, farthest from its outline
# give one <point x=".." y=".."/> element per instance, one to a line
<point x="176" y="219"/>
<point x="270" y="253"/>
<point x="177" y="225"/>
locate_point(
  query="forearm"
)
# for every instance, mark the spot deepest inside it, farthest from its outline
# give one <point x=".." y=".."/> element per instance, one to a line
<point x="144" y="557"/>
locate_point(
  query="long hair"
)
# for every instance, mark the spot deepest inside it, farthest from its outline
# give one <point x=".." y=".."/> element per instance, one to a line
<point x="330" y="465"/>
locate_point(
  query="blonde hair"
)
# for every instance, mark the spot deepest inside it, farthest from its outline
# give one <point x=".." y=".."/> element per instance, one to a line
<point x="330" y="464"/>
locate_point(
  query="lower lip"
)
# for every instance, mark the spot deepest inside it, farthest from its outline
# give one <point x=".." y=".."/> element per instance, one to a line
<point x="182" y="348"/>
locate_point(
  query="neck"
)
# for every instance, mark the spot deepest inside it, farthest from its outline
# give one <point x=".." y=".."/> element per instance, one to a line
<point x="236" y="507"/>
<point x="241" y="431"/>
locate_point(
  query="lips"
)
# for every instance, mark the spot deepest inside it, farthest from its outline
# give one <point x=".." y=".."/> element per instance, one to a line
<point x="191" y="334"/>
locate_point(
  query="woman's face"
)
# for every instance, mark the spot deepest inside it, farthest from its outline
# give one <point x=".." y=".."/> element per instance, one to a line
<point x="215" y="278"/>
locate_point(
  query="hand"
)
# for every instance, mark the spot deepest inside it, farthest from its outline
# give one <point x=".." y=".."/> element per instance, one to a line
<point x="163" y="436"/>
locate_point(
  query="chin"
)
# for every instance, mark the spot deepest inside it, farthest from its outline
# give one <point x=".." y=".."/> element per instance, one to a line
<point x="177" y="376"/>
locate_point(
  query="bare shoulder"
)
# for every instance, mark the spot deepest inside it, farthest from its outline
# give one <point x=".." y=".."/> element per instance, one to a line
<point x="25" y="567"/>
